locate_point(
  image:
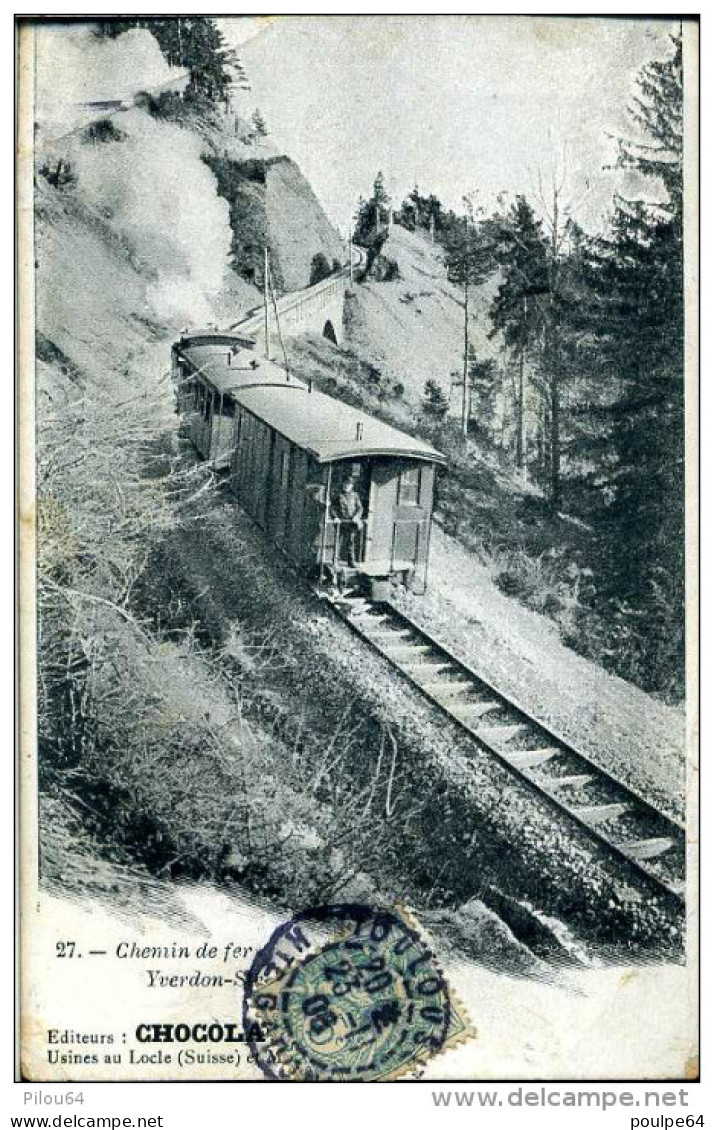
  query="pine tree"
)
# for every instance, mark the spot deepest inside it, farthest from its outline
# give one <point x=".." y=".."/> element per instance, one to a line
<point x="633" y="435"/>
<point x="468" y="245"/>
<point x="195" y="43"/>
<point x="658" y="112"/>
<point x="434" y="402"/>
<point x="372" y="226"/>
<point x="259" y="125"/>
<point x="519" y="309"/>
<point x="422" y="211"/>
<point x="484" y="380"/>
<point x="379" y="192"/>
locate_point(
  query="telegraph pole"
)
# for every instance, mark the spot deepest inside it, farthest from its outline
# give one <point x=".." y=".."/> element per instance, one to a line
<point x="465" y="397"/>
<point x="521" y="460"/>
<point x="354" y="216"/>
<point x="465" y="394"/>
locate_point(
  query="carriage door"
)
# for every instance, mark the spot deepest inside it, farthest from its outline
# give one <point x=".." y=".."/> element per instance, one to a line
<point x="396" y="529"/>
<point x="409" y="516"/>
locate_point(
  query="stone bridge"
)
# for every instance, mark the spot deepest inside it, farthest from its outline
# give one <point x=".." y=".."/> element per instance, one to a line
<point x="316" y="309"/>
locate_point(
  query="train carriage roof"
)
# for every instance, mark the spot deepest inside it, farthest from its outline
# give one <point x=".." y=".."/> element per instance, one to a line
<point x="328" y="428"/>
<point x="210" y="360"/>
<point x="213" y="336"/>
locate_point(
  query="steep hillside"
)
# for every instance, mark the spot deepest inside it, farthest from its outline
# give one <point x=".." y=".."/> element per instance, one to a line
<point x="413" y="328"/>
<point x="137" y="600"/>
<point x="133" y="241"/>
<point x="189" y="196"/>
<point x="298" y="228"/>
<point x="271" y="203"/>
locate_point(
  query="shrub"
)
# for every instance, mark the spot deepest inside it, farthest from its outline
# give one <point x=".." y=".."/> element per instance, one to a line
<point x="434" y="403"/>
<point x="390" y="271"/>
<point x="534" y="580"/>
<point x="319" y="269"/>
<point x="102" y="132"/>
<point x="169" y="106"/>
<point x="58" y="175"/>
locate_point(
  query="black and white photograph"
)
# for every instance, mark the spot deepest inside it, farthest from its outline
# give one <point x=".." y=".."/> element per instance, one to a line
<point x="357" y="402"/>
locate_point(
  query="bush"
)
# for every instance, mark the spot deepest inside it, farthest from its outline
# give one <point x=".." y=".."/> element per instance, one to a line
<point x="169" y="106"/>
<point x="319" y="269"/>
<point x="536" y="581"/>
<point x="391" y="270"/>
<point x="59" y="175"/>
<point x="102" y="132"/>
<point x="434" y="403"/>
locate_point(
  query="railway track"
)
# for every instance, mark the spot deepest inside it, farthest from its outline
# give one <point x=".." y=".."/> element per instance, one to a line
<point x="650" y="844"/>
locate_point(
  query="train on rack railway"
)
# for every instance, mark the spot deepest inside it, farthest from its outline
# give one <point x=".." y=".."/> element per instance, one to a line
<point x="345" y="496"/>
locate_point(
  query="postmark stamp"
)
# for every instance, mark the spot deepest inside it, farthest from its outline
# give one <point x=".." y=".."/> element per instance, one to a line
<point x="349" y="993"/>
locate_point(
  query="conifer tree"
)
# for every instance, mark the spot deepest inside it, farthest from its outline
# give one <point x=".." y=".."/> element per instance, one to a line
<point x="484" y="380"/>
<point x="259" y="125"/>
<point x="519" y="309"/>
<point x="435" y="402"/>
<point x="195" y="43"/>
<point x="632" y="436"/>
<point x="379" y="192"/>
<point x="372" y="227"/>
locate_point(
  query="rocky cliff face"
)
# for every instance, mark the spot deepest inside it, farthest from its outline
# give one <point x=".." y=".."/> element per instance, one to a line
<point x="272" y="203"/>
<point x="298" y="228"/>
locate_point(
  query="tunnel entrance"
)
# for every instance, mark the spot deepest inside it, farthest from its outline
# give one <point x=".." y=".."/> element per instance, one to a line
<point x="328" y="331"/>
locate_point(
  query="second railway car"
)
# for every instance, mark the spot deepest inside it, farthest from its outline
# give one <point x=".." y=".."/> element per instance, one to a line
<point x="344" y="495"/>
<point x="208" y="370"/>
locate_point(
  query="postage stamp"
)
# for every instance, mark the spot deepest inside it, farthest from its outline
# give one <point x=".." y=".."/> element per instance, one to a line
<point x="349" y="993"/>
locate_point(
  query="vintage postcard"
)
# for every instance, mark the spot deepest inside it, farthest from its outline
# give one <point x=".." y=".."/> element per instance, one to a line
<point x="358" y="490"/>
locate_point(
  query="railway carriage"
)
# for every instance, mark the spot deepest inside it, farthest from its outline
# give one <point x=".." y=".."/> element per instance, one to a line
<point x="209" y="369"/>
<point x="290" y="452"/>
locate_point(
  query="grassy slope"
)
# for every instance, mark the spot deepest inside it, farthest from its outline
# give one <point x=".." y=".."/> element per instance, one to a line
<point x="297" y="227"/>
<point x="412" y="329"/>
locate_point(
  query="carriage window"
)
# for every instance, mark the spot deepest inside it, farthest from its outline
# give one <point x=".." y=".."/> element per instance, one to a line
<point x="409" y="492"/>
<point x="207" y="406"/>
<point x="229" y="407"/>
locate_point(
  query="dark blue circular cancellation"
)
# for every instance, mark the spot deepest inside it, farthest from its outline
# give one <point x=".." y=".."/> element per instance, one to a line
<point x="345" y="993"/>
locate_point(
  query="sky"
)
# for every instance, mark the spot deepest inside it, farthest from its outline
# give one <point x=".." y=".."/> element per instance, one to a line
<point x="453" y="103"/>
